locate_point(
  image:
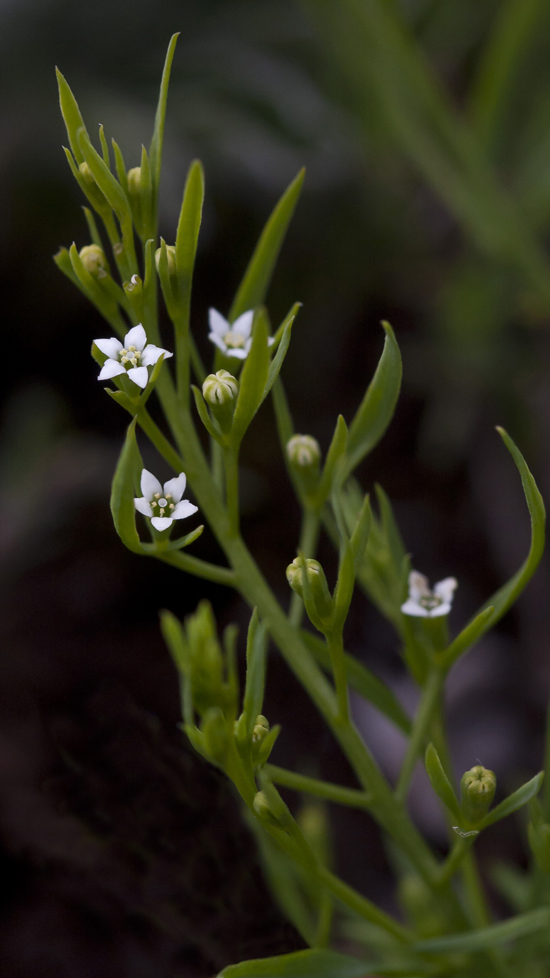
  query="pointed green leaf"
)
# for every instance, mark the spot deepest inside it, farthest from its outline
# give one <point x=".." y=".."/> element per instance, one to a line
<point x="174" y="636"/>
<point x="126" y="477"/>
<point x="104" y="147"/>
<point x="467" y="638"/>
<point x="440" y="782"/>
<point x="283" y="417"/>
<point x="312" y="963"/>
<point x="188" y="229"/>
<point x="155" y="149"/>
<point x="378" y="405"/>
<point x="256" y="650"/>
<point x="71" y="115"/>
<point x="514" y="801"/>
<point x="252" y="381"/>
<point x="335" y="454"/>
<point x="207" y="421"/>
<point x="105" y="180"/>
<point x="360" y="535"/>
<point x="278" y="359"/>
<point x="363" y="681"/>
<point x="494" y="936"/>
<point x="253" y="288"/>
<point x="120" y="166"/>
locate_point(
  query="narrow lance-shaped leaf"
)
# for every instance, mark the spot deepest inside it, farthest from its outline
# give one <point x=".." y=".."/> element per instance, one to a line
<point x="440" y="782"/>
<point x="105" y="180"/>
<point x="313" y="963"/>
<point x="125" y="479"/>
<point x="253" y="380"/>
<point x="278" y="359"/>
<point x="188" y="229"/>
<point x="253" y="288"/>
<point x="514" y="801"/>
<point x="335" y="454"/>
<point x="494" y="936"/>
<point x="256" y="648"/>
<point x="71" y="115"/>
<point x="155" y="149"/>
<point x="376" y="409"/>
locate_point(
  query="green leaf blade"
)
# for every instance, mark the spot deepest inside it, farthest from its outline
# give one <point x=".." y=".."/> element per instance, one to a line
<point x="311" y="963"/>
<point x="486" y="937"/>
<point x="125" y="478"/>
<point x="514" y="801"/>
<point x="155" y="149"/>
<point x="71" y="115"/>
<point x="252" y="381"/>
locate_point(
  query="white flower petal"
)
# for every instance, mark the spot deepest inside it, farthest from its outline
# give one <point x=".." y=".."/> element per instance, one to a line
<point x="109" y="347"/>
<point x="111" y="368"/>
<point x="143" y="505"/>
<point x="442" y="609"/>
<point x="136" y="337"/>
<point x="149" y="484"/>
<point x="445" y="589"/>
<point x="162" y="522"/>
<point x="243" y="324"/>
<point x="218" y="323"/>
<point x="270" y="340"/>
<point x="140" y="376"/>
<point x="214" y="338"/>
<point x="413" y="608"/>
<point x="151" y="354"/>
<point x="184" y="509"/>
<point x="238" y="354"/>
<point x="176" y="487"/>
<point x="418" y="586"/>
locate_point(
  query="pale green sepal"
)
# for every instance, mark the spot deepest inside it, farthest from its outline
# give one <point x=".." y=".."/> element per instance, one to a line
<point x="256" y="649"/>
<point x="71" y="115"/>
<point x="378" y="405"/>
<point x="196" y="738"/>
<point x="92" y="227"/>
<point x="331" y="473"/>
<point x="122" y="399"/>
<point x="252" y="290"/>
<point x="104" y="147"/>
<point x="440" y="782"/>
<point x="345" y="584"/>
<point x="494" y="936"/>
<point x="360" y="535"/>
<point x="363" y="681"/>
<point x="188" y="228"/>
<point x="278" y="359"/>
<point x="120" y="166"/>
<point x="155" y="149"/>
<point x="125" y="479"/>
<point x="514" y="801"/>
<point x="63" y="261"/>
<point x="178" y="544"/>
<point x="267" y="745"/>
<point x="91" y="288"/>
<point x="467" y="638"/>
<point x="209" y="423"/>
<point x="154" y="376"/>
<point x="174" y="636"/>
<point x="105" y="180"/>
<point x="252" y="380"/>
<point x="313" y="963"/>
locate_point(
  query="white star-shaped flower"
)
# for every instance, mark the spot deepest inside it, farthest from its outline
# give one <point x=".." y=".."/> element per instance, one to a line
<point x="233" y="339"/>
<point x="163" y="504"/>
<point x="423" y="602"/>
<point x="133" y="357"/>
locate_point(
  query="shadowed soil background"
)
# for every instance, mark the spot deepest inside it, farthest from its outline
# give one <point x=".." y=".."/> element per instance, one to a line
<point x="123" y="852"/>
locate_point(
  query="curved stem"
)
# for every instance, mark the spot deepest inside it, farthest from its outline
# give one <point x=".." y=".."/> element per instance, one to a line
<point x="421" y="725"/>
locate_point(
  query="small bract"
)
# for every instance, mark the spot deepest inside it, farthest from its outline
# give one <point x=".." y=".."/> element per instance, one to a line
<point x="423" y="602"/>
<point x="163" y="504"/>
<point x="132" y="358"/>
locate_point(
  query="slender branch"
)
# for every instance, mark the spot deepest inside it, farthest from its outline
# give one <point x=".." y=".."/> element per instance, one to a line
<point x="421" y="725"/>
<point x="309" y="536"/>
<point x="198" y="567"/>
<point x="321" y="789"/>
<point x="362" y="906"/>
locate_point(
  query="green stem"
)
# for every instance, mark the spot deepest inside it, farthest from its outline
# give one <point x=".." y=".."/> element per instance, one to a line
<point x="309" y="536"/>
<point x="454" y="859"/>
<point x="545" y="798"/>
<point x="337" y="658"/>
<point x="321" y="789"/>
<point x="231" y="459"/>
<point x="362" y="906"/>
<point x="198" y="567"/>
<point x="421" y="725"/>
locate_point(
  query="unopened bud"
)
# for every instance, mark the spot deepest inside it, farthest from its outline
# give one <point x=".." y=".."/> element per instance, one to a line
<point x="478" y="787"/>
<point x="263" y="810"/>
<point x="86" y="173"/>
<point x="260" y="730"/>
<point x="220" y="388"/>
<point x="303" y="451"/>
<point x="216" y="735"/>
<point x="134" y="181"/>
<point x="94" y="260"/>
<point x="170" y="258"/>
<point x="94" y="194"/>
<point x="322" y="600"/>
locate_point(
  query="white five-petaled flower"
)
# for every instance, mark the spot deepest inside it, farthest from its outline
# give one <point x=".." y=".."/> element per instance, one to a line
<point x="423" y="602"/>
<point x="163" y="504"/>
<point x="233" y="339"/>
<point x="133" y="357"/>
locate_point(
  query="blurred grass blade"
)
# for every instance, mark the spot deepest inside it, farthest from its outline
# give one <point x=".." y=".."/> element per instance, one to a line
<point x="363" y="681"/>
<point x="155" y="149"/>
<point x="376" y="409"/>
<point x="71" y="116"/>
<point x="253" y="288"/>
<point x="125" y="480"/>
<point x="312" y="963"/>
<point x="514" y="801"/>
<point x="495" y="936"/>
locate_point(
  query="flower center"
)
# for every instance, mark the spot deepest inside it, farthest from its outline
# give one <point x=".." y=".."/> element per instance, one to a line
<point x="430" y="601"/>
<point x="234" y="341"/>
<point x="159" y="504"/>
<point x="130" y="357"/>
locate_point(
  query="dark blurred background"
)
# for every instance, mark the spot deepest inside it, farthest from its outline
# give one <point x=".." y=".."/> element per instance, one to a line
<point x="425" y="129"/>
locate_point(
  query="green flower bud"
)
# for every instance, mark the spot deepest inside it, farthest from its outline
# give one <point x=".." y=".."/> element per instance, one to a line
<point x="270" y="807"/>
<point x="260" y="730"/>
<point x="322" y="610"/>
<point x="134" y="181"/>
<point x="263" y="810"/>
<point x="216" y="735"/>
<point x="170" y="257"/>
<point x="94" y="260"/>
<point x="87" y="174"/>
<point x="304" y="451"/>
<point x="220" y="392"/>
<point x="478" y="787"/>
<point x="95" y="195"/>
